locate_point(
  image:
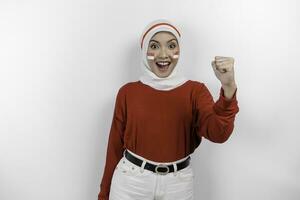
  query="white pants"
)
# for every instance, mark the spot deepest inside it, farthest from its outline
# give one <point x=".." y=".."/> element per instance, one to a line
<point x="131" y="182"/>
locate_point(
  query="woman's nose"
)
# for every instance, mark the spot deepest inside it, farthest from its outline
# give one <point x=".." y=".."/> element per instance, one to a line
<point x="163" y="53"/>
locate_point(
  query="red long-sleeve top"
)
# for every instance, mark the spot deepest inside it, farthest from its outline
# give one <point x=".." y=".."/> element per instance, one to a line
<point x="164" y="126"/>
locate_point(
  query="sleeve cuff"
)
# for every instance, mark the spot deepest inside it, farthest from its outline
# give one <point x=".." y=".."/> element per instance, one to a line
<point x="225" y="106"/>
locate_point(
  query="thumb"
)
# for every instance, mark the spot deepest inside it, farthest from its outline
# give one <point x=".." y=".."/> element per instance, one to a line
<point x="214" y="66"/>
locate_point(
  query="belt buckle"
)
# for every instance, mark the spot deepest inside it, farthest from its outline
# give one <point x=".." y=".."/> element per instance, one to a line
<point x="162" y="166"/>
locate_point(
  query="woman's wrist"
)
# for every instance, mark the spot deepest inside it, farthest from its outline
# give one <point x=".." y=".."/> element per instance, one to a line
<point x="229" y="90"/>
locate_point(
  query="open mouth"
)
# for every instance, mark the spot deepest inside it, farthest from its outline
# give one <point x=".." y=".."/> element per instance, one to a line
<point x="163" y="66"/>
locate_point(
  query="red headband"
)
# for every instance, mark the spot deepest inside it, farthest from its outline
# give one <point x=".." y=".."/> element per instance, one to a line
<point x="156" y="26"/>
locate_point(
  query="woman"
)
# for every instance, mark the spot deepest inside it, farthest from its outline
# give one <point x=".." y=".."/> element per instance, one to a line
<point x="160" y="120"/>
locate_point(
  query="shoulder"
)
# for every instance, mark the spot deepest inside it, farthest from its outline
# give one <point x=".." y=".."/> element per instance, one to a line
<point x="127" y="87"/>
<point x="200" y="90"/>
<point x="197" y="85"/>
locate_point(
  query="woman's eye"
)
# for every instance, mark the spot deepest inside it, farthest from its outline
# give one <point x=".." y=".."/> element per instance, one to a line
<point x="172" y="46"/>
<point x="153" y="46"/>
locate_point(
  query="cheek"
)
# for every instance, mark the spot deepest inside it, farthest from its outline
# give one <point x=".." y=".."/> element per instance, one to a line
<point x="150" y="56"/>
<point x="176" y="55"/>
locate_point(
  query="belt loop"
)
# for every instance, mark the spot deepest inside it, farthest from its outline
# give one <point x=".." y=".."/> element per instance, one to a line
<point x="175" y="168"/>
<point x="142" y="166"/>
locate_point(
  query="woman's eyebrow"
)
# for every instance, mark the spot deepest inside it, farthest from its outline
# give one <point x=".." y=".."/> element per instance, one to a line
<point x="172" y="39"/>
<point x="159" y="42"/>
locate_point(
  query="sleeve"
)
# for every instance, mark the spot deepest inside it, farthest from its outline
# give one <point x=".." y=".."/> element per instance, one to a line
<point x="215" y="120"/>
<point x="115" y="147"/>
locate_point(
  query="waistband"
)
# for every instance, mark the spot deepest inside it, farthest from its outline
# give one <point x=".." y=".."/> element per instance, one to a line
<point x="153" y="162"/>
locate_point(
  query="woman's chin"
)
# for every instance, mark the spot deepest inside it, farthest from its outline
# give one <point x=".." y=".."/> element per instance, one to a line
<point x="162" y="74"/>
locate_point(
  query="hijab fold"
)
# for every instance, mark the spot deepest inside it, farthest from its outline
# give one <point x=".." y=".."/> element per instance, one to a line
<point x="148" y="77"/>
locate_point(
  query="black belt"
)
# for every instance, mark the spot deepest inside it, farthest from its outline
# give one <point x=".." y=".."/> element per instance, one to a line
<point x="161" y="168"/>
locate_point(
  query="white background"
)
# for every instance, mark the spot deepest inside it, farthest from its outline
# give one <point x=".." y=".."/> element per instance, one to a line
<point x="62" y="63"/>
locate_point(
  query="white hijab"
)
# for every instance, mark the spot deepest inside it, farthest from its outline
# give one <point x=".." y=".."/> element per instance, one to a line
<point x="175" y="79"/>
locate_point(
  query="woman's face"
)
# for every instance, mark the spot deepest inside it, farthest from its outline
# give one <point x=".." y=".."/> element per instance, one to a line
<point x="164" y="51"/>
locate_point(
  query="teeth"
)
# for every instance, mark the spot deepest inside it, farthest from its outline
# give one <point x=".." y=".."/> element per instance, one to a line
<point x="163" y="63"/>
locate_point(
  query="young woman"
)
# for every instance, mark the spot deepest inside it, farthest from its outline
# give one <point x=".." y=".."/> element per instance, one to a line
<point x="160" y="120"/>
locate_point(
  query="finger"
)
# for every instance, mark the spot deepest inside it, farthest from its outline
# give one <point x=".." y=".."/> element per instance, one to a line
<point x="217" y="69"/>
<point x="223" y="58"/>
<point x="222" y="70"/>
<point x="223" y="61"/>
<point x="213" y="64"/>
<point x="230" y="64"/>
<point x="220" y="58"/>
<point x="226" y="68"/>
